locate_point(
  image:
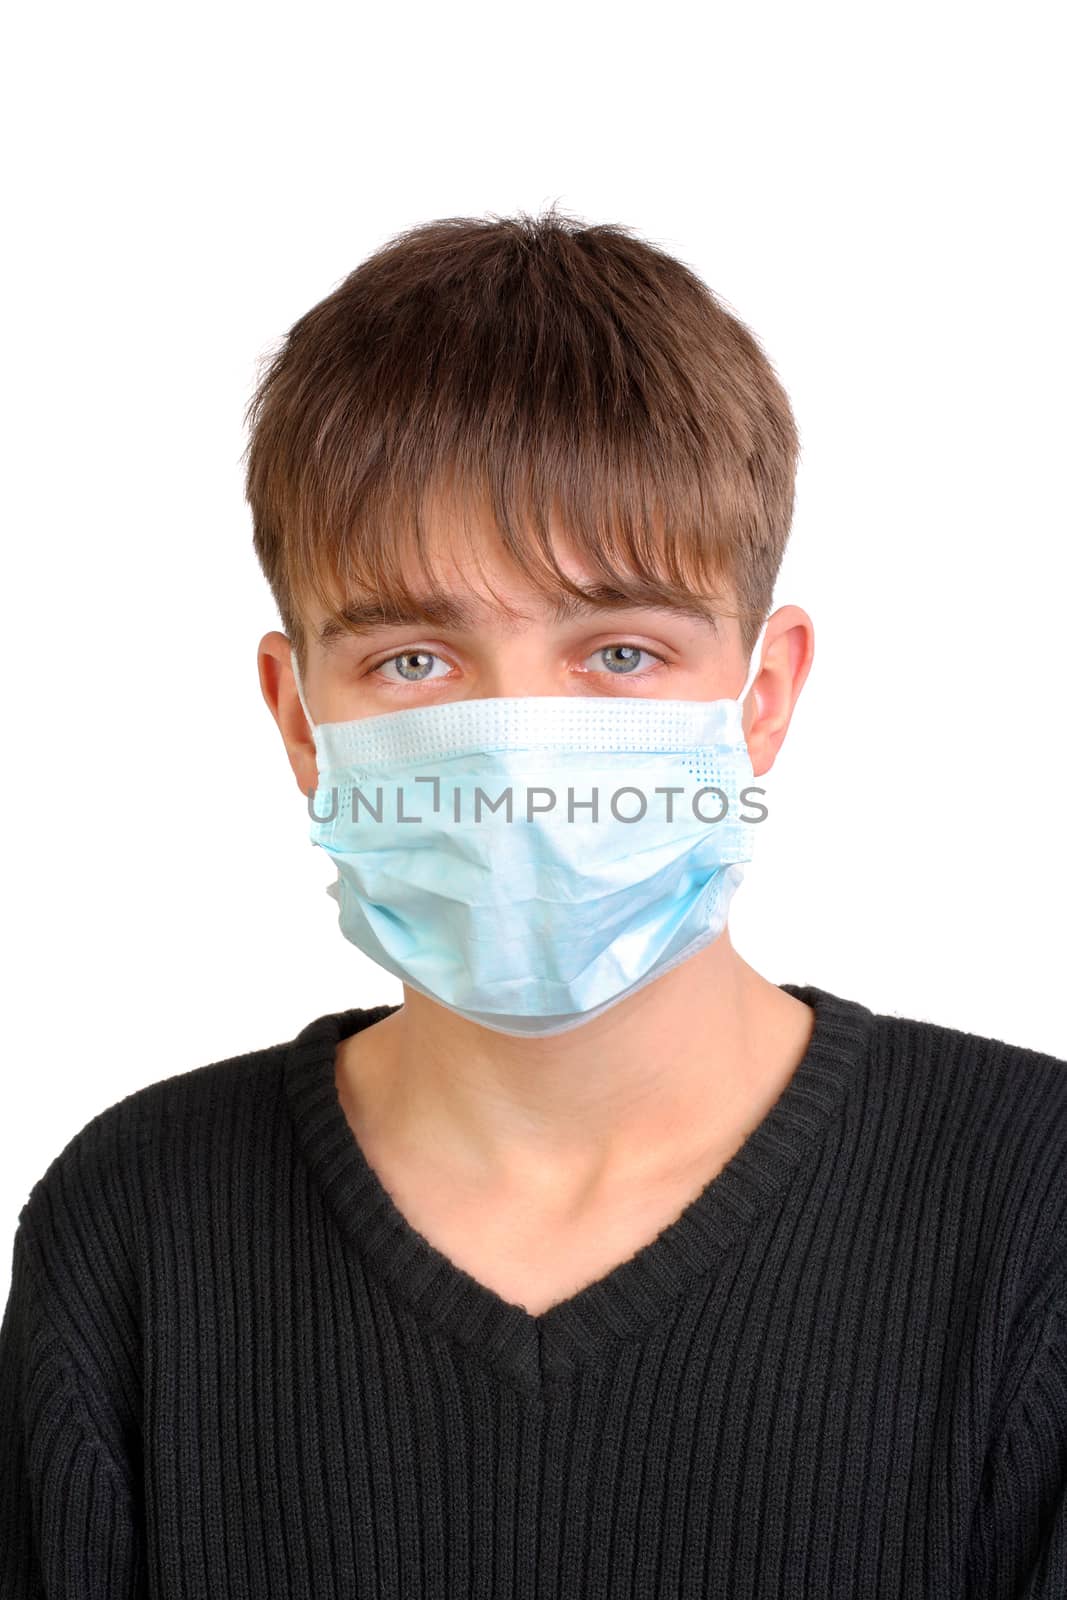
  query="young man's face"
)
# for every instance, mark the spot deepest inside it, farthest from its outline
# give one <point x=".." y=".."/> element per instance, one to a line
<point x="495" y="635"/>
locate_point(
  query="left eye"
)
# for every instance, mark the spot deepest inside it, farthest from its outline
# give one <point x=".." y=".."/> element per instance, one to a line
<point x="619" y="658"/>
<point x="414" y="666"/>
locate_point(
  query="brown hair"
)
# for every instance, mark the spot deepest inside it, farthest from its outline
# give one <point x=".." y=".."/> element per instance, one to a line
<point x="535" y="365"/>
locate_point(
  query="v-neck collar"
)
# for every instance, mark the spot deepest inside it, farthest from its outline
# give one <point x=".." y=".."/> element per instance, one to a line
<point x="540" y="1351"/>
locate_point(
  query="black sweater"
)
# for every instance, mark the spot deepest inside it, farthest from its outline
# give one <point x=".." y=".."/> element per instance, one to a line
<point x="230" y="1368"/>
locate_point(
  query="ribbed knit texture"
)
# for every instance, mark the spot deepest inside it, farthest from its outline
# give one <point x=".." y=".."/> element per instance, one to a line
<point x="230" y="1368"/>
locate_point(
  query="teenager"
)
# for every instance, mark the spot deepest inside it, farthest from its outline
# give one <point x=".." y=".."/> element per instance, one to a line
<point x="604" y="1264"/>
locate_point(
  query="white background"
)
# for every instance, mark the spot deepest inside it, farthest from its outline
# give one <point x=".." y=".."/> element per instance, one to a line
<point x="876" y="193"/>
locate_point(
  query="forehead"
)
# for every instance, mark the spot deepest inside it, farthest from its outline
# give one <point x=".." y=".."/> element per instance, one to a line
<point x="457" y="571"/>
<point x="461" y="551"/>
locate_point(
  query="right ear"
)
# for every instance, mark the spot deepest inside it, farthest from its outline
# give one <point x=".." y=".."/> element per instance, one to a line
<point x="279" y="691"/>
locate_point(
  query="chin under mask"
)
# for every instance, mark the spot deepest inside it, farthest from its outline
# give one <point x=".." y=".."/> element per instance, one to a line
<point x="530" y="862"/>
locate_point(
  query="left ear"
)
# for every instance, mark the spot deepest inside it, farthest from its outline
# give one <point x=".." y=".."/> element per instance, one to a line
<point x="788" y="652"/>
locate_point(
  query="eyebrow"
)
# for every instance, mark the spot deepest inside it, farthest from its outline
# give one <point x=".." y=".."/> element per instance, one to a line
<point x="447" y="611"/>
<point x="363" y="616"/>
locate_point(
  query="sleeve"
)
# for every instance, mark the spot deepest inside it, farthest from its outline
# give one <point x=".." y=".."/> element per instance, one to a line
<point x="1019" y="1534"/>
<point x="69" y="1524"/>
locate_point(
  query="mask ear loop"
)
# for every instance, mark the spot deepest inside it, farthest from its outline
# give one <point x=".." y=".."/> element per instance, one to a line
<point x="754" y="665"/>
<point x="300" y="687"/>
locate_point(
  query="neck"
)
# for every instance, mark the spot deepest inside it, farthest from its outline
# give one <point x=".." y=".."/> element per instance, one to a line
<point x="691" y="1061"/>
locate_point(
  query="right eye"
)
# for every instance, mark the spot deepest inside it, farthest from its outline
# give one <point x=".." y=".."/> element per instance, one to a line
<point x="414" y="666"/>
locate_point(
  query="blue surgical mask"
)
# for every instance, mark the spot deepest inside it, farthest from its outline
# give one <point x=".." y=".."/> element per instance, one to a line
<point x="530" y="862"/>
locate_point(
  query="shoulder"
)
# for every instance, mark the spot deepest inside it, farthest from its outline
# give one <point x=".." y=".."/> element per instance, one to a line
<point x="1022" y="1089"/>
<point x="139" y="1184"/>
<point x="992" y="1116"/>
<point x="108" y="1183"/>
<point x="1013" y="1090"/>
<point x="946" y="1042"/>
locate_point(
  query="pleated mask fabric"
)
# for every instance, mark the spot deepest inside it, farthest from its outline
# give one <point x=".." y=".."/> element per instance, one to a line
<point x="529" y="861"/>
